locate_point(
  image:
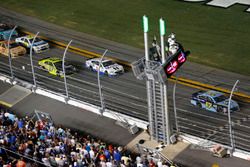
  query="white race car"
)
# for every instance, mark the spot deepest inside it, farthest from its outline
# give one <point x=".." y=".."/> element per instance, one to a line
<point x="38" y="46"/>
<point x="107" y="67"/>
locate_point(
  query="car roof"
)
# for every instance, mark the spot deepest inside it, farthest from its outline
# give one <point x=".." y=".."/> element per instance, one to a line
<point x="53" y="59"/>
<point x="98" y="59"/>
<point x="213" y="93"/>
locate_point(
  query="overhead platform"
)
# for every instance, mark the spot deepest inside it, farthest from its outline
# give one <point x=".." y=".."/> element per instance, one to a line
<point x="13" y="95"/>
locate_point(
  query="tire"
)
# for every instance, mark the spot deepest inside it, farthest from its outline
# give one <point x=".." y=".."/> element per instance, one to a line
<point x="198" y="104"/>
<point x="58" y="74"/>
<point x="106" y="73"/>
<point x="219" y="109"/>
<point x="91" y="68"/>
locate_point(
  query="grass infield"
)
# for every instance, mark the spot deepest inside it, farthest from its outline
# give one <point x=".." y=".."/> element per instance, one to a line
<point x="216" y="37"/>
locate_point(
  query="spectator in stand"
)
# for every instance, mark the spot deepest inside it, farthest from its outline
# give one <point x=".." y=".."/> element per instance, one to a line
<point x="165" y="164"/>
<point x="107" y="154"/>
<point x="45" y="160"/>
<point x="151" y="163"/>
<point x="138" y="159"/>
<point x="21" y="163"/>
<point x="139" y="164"/>
<point x="55" y="146"/>
<point x="20" y="123"/>
<point x="1" y="161"/>
<point x="159" y="164"/>
<point x="10" y="116"/>
<point x="109" y="164"/>
<point x="117" y="156"/>
<point x="126" y="159"/>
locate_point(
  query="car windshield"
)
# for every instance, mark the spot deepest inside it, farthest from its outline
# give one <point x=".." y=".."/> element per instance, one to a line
<point x="36" y="40"/>
<point x="6" y="35"/>
<point x="107" y="63"/>
<point x="59" y="65"/>
<point x="220" y="98"/>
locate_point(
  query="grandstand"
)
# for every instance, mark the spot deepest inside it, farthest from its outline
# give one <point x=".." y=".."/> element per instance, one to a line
<point x="37" y="142"/>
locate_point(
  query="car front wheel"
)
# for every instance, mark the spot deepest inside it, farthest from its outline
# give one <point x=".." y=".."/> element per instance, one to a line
<point x="59" y="74"/>
<point x="219" y="109"/>
<point x="199" y="105"/>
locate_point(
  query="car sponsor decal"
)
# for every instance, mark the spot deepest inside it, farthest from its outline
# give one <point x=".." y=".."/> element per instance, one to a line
<point x="208" y="105"/>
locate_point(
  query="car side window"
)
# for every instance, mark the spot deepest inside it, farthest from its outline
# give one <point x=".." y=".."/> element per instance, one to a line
<point x="50" y="64"/>
<point x="47" y="62"/>
<point x="26" y="41"/>
<point x="96" y="62"/>
<point x="203" y="98"/>
<point x="209" y="99"/>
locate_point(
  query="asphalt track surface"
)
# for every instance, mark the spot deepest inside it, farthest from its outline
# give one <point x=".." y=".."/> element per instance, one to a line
<point x="106" y="129"/>
<point x="126" y="94"/>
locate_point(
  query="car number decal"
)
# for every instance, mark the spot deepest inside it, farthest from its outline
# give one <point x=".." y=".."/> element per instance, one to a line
<point x="208" y="104"/>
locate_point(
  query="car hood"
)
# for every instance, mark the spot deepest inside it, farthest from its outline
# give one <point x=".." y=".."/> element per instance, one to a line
<point x="114" y="67"/>
<point x="39" y="43"/>
<point x="225" y="103"/>
<point x="68" y="68"/>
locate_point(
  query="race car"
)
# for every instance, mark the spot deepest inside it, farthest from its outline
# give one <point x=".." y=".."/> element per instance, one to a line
<point x="213" y="101"/>
<point x="15" y="49"/>
<point x="38" y="46"/>
<point x="107" y="67"/>
<point x="54" y="66"/>
<point x="5" y="31"/>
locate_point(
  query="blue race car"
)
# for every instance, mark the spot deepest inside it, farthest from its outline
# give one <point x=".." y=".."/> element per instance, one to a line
<point x="5" y="31"/>
<point x="213" y="101"/>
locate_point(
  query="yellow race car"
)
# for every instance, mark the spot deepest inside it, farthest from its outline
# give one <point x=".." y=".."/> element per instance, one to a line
<point x="54" y="66"/>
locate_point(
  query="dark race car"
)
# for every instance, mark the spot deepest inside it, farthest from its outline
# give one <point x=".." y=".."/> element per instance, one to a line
<point x="213" y="101"/>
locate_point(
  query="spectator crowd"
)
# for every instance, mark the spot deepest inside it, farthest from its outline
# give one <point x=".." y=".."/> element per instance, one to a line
<point x="40" y="143"/>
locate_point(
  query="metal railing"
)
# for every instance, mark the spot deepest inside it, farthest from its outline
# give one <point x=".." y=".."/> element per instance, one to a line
<point x="11" y="154"/>
<point x="154" y="154"/>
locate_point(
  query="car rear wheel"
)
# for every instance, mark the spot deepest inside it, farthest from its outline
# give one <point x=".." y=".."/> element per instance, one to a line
<point x="91" y="68"/>
<point x="106" y="73"/>
<point x="33" y="50"/>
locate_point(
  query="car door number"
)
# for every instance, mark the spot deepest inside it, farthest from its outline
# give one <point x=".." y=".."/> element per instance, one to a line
<point x="208" y="104"/>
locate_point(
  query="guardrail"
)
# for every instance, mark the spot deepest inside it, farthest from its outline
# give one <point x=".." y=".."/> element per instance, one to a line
<point x="183" y="81"/>
<point x="14" y="155"/>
